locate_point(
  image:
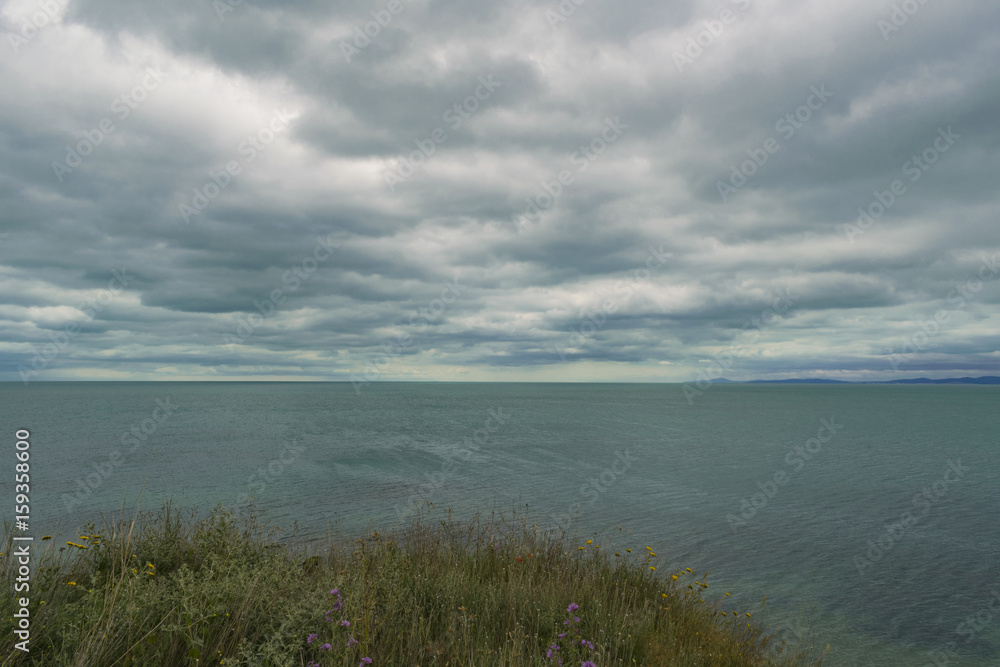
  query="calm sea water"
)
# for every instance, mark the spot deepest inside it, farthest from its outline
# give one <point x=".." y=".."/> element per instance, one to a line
<point x="867" y="514"/>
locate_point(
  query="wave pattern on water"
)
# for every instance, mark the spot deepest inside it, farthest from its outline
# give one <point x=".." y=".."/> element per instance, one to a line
<point x="561" y="451"/>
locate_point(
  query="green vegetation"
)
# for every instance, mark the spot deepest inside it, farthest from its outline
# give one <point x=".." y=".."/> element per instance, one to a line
<point x="166" y="589"/>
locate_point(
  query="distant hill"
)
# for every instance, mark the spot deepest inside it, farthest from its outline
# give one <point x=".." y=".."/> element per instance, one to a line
<point x="986" y="379"/>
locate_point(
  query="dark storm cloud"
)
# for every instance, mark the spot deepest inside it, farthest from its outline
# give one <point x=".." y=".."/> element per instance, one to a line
<point x="474" y="190"/>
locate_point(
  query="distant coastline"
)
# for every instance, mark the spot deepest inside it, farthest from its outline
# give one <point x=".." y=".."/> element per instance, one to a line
<point x="986" y="379"/>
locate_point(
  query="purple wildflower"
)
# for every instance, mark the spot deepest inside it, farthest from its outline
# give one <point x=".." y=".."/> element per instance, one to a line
<point x="367" y="661"/>
<point x="335" y="591"/>
<point x="346" y="623"/>
<point x="336" y="605"/>
<point x="326" y="647"/>
<point x="351" y="641"/>
<point x="589" y="663"/>
<point x="328" y="619"/>
<point x="311" y="638"/>
<point x="312" y="664"/>
<point x="572" y="607"/>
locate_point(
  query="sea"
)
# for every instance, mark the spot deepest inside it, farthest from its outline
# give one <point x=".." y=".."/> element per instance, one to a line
<point x="868" y="515"/>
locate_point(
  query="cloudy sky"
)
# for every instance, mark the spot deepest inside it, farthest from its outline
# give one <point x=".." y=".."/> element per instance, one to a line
<point x="632" y="190"/>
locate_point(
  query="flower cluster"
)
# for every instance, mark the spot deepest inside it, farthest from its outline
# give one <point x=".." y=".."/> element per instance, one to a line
<point x="336" y="605"/>
<point x="349" y="643"/>
<point x="576" y="646"/>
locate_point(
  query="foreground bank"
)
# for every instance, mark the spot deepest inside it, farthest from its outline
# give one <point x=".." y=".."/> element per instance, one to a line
<point x="167" y="589"/>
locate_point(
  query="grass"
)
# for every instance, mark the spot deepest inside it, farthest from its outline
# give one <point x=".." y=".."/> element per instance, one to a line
<point x="164" y="588"/>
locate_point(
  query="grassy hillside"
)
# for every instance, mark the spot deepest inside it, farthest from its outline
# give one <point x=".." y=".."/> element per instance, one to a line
<point x="167" y="589"/>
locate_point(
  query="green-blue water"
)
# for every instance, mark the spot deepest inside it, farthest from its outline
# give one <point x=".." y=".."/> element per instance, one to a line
<point x="673" y="474"/>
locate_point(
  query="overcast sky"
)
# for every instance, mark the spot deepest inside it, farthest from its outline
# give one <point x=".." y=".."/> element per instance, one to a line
<point x="633" y="190"/>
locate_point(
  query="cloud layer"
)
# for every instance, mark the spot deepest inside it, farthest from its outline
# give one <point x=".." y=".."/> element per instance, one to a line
<point x="444" y="190"/>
